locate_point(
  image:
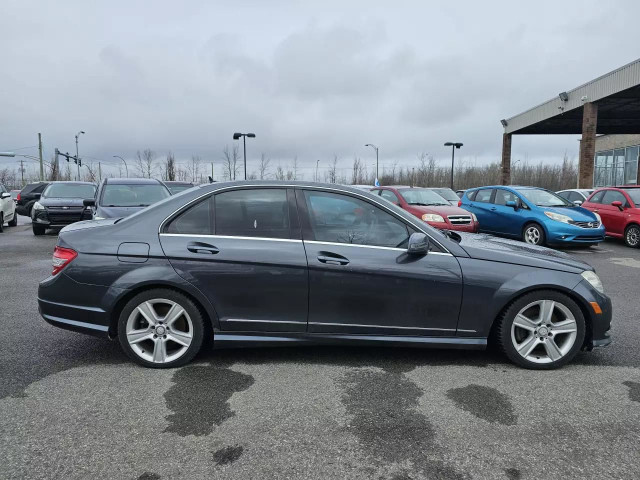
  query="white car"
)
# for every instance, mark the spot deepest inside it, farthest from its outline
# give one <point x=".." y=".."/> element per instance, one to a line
<point x="577" y="196"/>
<point x="7" y="209"/>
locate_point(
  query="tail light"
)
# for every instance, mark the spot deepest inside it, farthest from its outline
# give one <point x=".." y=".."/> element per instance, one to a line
<point x="460" y="202"/>
<point x="61" y="258"/>
<point x="18" y="197"/>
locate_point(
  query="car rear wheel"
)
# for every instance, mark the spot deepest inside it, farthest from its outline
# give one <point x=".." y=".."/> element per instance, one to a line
<point x="38" y="229"/>
<point x="14" y="220"/>
<point x="542" y="330"/>
<point x="533" y="234"/>
<point x="632" y="236"/>
<point x="161" y="328"/>
<point x="1" y="222"/>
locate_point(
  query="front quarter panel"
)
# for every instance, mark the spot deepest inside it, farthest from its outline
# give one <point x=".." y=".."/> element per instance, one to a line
<point x="490" y="286"/>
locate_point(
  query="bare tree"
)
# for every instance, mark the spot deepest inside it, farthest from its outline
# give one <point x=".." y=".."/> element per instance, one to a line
<point x="358" y="174"/>
<point x="280" y="175"/>
<point x="170" y="167"/>
<point x="194" y="168"/>
<point x="263" y="168"/>
<point x="294" y="167"/>
<point x="144" y="162"/>
<point x="332" y="174"/>
<point x="54" y="169"/>
<point x="230" y="161"/>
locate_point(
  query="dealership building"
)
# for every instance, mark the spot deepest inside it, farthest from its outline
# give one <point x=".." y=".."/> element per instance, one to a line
<point x="605" y="111"/>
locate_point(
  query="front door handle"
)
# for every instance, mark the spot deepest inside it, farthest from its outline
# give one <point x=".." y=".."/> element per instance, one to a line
<point x="333" y="260"/>
<point x="199" y="247"/>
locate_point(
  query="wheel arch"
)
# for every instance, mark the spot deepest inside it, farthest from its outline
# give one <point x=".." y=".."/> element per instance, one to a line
<point x="206" y="309"/>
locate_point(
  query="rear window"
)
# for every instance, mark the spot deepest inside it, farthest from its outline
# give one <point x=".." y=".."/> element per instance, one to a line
<point x="136" y="195"/>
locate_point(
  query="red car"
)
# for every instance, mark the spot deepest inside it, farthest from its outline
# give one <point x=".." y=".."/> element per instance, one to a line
<point x="619" y="208"/>
<point x="430" y="207"/>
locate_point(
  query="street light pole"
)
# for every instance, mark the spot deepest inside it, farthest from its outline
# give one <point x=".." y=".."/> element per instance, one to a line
<point x="125" y="164"/>
<point x="453" y="146"/>
<point x="236" y="136"/>
<point x="77" y="156"/>
<point x="377" y="163"/>
<point x="317" y="165"/>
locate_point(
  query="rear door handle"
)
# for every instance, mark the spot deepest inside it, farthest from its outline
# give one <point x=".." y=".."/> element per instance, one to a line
<point x="331" y="260"/>
<point x="493" y="209"/>
<point x="199" y="247"/>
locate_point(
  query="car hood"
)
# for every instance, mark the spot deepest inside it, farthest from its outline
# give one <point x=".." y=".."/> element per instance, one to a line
<point x="445" y="210"/>
<point x="117" y="212"/>
<point x="496" y="249"/>
<point x="578" y="214"/>
<point x="61" y="202"/>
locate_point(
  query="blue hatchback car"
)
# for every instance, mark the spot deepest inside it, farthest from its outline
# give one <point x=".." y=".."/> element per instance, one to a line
<point x="534" y="215"/>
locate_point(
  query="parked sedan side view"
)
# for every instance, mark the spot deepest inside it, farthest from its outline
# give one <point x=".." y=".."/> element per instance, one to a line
<point x="619" y="208"/>
<point x="217" y="261"/>
<point x="533" y="215"/>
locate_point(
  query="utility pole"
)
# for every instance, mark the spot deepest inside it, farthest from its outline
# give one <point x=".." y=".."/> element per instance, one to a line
<point x="22" y="171"/>
<point x="57" y="165"/>
<point x="317" y="164"/>
<point x="99" y="171"/>
<point x="40" y="154"/>
<point x="211" y="170"/>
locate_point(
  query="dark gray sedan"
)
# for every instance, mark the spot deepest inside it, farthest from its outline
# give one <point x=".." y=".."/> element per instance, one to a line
<point x="287" y="263"/>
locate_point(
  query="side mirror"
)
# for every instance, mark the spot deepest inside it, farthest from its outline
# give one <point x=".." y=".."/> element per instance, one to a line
<point x="577" y="203"/>
<point x="418" y="244"/>
<point x="513" y="204"/>
<point x="4" y="195"/>
<point x="89" y="202"/>
<point x="618" y="204"/>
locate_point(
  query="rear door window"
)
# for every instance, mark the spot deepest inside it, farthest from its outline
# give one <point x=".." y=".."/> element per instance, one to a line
<point x="260" y="212"/>
<point x="196" y="220"/>
<point x="484" y="195"/>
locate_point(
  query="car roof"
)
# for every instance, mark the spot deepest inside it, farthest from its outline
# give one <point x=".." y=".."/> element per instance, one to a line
<point x="72" y="182"/>
<point x="132" y="181"/>
<point x="177" y="182"/>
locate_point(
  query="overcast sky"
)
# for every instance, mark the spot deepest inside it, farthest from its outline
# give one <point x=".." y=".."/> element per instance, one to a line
<point x="311" y="79"/>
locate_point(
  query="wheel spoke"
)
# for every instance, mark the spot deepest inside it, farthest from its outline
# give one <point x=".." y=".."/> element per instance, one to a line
<point x="524" y="322"/>
<point x="147" y="311"/>
<point x="159" y="351"/>
<point x="552" y="349"/>
<point x="173" y="314"/>
<point x="546" y="311"/>
<point x="566" y="326"/>
<point x="526" y="347"/>
<point x="137" y="336"/>
<point x="183" y="338"/>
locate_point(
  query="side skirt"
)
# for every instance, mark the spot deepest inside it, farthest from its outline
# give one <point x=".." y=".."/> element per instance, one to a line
<point x="260" y="339"/>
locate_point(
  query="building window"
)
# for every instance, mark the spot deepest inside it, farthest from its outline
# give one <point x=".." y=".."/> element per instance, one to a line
<point x="602" y="170"/>
<point x="631" y="166"/>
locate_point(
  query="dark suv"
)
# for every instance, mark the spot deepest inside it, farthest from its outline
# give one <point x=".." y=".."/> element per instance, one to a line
<point x="28" y="196"/>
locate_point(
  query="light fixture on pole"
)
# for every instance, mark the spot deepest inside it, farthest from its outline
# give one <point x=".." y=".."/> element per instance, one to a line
<point x="125" y="164"/>
<point x="453" y="146"/>
<point x="236" y="136"/>
<point x="377" y="183"/>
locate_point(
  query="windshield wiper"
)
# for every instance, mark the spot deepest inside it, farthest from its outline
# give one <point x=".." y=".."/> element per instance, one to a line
<point x="419" y="204"/>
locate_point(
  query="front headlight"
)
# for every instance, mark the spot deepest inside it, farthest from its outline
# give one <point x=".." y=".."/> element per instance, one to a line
<point x="473" y="215"/>
<point x="558" y="217"/>
<point x="432" y="217"/>
<point x="593" y="279"/>
<point x="38" y="206"/>
<point x="98" y="218"/>
<point x="597" y="216"/>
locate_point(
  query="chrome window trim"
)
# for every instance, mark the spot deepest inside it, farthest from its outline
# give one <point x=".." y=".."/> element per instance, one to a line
<point x="305" y="186"/>
<point x="382" y="326"/>
<point x="270" y="239"/>
<point x="404" y="250"/>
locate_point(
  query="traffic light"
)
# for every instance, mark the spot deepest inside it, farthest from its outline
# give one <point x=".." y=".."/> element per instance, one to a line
<point x="67" y="155"/>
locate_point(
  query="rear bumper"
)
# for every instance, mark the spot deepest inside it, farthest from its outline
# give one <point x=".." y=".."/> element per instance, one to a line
<point x="62" y="304"/>
<point x="22" y="210"/>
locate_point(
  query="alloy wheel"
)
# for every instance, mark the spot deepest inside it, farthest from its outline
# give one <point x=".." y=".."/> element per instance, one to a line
<point x="633" y="236"/>
<point x="532" y="235"/>
<point x="544" y="331"/>
<point x="159" y="330"/>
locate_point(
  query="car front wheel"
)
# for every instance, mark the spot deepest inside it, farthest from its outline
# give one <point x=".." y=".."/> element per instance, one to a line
<point x="161" y="328"/>
<point x="533" y="234"/>
<point x="542" y="330"/>
<point x="14" y="220"/>
<point x="38" y="229"/>
<point x="632" y="236"/>
<point x="1" y="222"/>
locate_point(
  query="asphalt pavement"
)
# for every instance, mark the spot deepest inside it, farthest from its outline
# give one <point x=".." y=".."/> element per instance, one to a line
<point x="73" y="406"/>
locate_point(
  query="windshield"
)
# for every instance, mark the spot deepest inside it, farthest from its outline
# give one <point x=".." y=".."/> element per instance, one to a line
<point x="447" y="194"/>
<point x="634" y="194"/>
<point x="70" y="190"/>
<point x="178" y="188"/>
<point x="133" y="195"/>
<point x="544" y="198"/>
<point x="422" y="196"/>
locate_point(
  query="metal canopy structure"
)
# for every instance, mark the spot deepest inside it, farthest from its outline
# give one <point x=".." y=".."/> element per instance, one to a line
<point x="610" y="104"/>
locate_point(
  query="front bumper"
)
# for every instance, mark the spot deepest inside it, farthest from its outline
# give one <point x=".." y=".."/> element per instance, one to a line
<point x="60" y="218"/>
<point x="472" y="227"/>
<point x="570" y="234"/>
<point x="599" y="335"/>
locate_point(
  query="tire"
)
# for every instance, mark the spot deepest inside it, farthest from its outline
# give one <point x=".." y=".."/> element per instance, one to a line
<point x="14" y="220"/>
<point x="164" y="342"/>
<point x="532" y="344"/>
<point x="533" y="234"/>
<point x="1" y="222"/>
<point x="632" y="236"/>
<point x="38" y="229"/>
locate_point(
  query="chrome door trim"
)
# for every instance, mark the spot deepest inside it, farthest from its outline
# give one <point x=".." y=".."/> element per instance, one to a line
<point x="230" y="237"/>
<point x="316" y="242"/>
<point x="382" y="326"/>
<point x="262" y="321"/>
